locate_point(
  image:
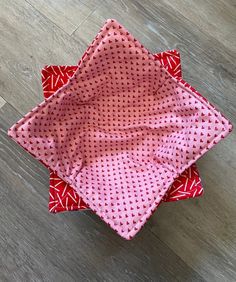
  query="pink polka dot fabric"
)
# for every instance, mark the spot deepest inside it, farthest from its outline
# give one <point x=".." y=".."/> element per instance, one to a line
<point x="121" y="130"/>
<point x="62" y="197"/>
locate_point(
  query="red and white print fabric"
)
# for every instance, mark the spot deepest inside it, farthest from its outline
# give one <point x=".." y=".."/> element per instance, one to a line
<point x="62" y="197"/>
<point x="121" y="130"/>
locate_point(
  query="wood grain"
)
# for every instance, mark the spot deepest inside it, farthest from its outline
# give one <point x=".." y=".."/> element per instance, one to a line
<point x="216" y="19"/>
<point x="2" y="102"/>
<point x="68" y="15"/>
<point x="192" y="240"/>
<point x="28" y="42"/>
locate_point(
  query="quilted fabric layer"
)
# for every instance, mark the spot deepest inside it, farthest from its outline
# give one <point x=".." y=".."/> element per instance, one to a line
<point x="121" y="130"/>
<point x="65" y="198"/>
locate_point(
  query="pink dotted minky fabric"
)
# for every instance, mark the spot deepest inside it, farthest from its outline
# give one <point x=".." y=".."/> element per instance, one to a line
<point x="62" y="197"/>
<point x="121" y="130"/>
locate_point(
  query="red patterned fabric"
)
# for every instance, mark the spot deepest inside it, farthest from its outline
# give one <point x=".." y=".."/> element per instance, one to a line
<point x="62" y="197"/>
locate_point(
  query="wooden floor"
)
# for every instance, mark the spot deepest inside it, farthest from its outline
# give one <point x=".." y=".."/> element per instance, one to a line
<point x="192" y="240"/>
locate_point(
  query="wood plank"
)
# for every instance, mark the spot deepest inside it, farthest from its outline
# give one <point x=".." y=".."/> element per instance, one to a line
<point x="68" y="15"/>
<point x="92" y="4"/>
<point x="2" y="102"/>
<point x="217" y="19"/>
<point x="28" y="42"/>
<point x="38" y="246"/>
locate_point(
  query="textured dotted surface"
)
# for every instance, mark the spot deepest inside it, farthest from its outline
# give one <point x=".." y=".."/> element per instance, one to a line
<point x="62" y="196"/>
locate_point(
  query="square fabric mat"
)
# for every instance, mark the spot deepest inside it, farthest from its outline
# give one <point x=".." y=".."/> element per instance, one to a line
<point x="121" y="130"/>
<point x="62" y="197"/>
